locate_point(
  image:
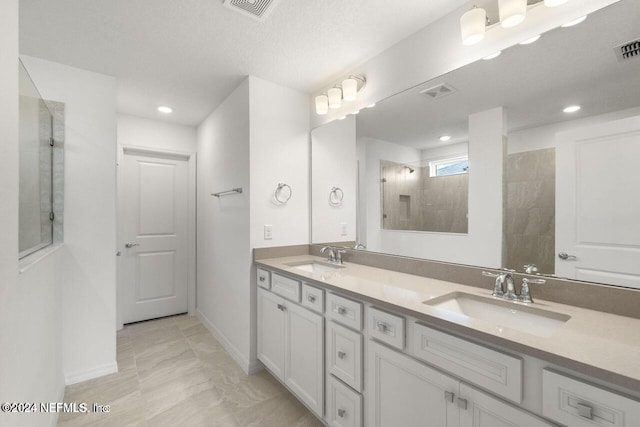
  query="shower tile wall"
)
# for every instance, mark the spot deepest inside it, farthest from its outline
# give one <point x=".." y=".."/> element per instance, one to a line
<point x="416" y="201"/>
<point x="529" y="226"/>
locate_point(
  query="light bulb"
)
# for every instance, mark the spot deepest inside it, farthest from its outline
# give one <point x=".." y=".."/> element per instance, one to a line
<point x="335" y="97"/>
<point x="531" y="40"/>
<point x="322" y="105"/>
<point x="164" y="109"/>
<point x="349" y="89"/>
<point x="473" y="26"/>
<point x="512" y="12"/>
<point x="554" y="3"/>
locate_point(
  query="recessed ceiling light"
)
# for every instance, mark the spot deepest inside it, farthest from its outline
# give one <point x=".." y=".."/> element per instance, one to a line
<point x="164" y="109"/>
<point x="531" y="40"/>
<point x="445" y="138"/>
<point x="492" y="56"/>
<point x="574" y="22"/>
<point x="572" y="109"/>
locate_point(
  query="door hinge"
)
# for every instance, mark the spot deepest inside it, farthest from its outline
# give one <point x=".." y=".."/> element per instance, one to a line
<point x="52" y="216"/>
<point x="52" y="141"/>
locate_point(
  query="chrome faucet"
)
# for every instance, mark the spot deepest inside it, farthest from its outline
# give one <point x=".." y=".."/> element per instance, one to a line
<point x="510" y="294"/>
<point x="335" y="254"/>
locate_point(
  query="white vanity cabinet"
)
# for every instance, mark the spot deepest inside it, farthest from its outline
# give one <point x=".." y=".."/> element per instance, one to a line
<point x="291" y="346"/>
<point x="404" y="392"/>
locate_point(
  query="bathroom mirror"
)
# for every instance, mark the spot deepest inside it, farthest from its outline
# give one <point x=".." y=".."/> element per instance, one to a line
<point x="565" y="178"/>
<point x="36" y="160"/>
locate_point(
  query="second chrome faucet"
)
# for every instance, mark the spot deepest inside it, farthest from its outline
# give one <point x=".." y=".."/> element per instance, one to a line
<point x="509" y="292"/>
<point x="335" y="254"/>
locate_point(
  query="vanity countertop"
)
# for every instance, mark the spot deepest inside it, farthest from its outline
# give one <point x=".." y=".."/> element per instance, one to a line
<point x="597" y="344"/>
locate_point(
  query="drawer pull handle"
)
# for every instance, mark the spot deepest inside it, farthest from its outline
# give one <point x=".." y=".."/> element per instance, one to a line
<point x="449" y="396"/>
<point x="282" y="307"/>
<point x="342" y="355"/>
<point x="311" y="298"/>
<point x="342" y="413"/>
<point x="462" y="403"/>
<point x="585" y="411"/>
<point x="382" y="327"/>
<point x="262" y="278"/>
<point x="342" y="310"/>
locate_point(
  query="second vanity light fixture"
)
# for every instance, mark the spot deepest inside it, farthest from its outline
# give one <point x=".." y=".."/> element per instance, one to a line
<point x="473" y="24"/>
<point x="333" y="98"/>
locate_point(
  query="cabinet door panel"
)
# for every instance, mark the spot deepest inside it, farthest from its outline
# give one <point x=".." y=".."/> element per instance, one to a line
<point x="483" y="410"/>
<point x="404" y="392"/>
<point x="271" y="332"/>
<point x="304" y="371"/>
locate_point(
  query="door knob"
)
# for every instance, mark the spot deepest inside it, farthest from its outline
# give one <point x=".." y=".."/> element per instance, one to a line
<point x="130" y="245"/>
<point x="565" y="256"/>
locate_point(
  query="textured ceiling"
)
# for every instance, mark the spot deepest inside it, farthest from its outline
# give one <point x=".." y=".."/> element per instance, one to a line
<point x="191" y="54"/>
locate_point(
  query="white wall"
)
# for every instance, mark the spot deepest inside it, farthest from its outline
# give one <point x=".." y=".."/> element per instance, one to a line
<point x="279" y="154"/>
<point x="30" y="360"/>
<point x="88" y="262"/>
<point x="140" y="132"/>
<point x="334" y="164"/>
<point x="258" y="137"/>
<point x="224" y="254"/>
<point x="437" y="49"/>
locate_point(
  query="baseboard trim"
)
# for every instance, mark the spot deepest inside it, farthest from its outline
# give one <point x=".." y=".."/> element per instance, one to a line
<point x="249" y="368"/>
<point x="89" y="374"/>
<point x="55" y="414"/>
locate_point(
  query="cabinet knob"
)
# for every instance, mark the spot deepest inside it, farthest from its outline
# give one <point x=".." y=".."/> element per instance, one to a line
<point x="311" y="298"/>
<point x="262" y="278"/>
<point x="282" y="307"/>
<point x="449" y="396"/>
<point x="342" y="413"/>
<point x="342" y="355"/>
<point x="382" y="327"/>
<point x="342" y="310"/>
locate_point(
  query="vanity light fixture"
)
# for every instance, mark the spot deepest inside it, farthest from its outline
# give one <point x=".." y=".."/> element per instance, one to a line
<point x="346" y="91"/>
<point x="531" y="40"/>
<point x="322" y="104"/>
<point x="165" y="110"/>
<point x="512" y="12"/>
<point x="473" y="25"/>
<point x="574" y="22"/>
<point x="572" y="109"/>
<point x="445" y="138"/>
<point x="493" y="55"/>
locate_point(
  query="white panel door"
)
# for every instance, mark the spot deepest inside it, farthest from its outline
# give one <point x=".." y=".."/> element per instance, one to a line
<point x="597" y="203"/>
<point x="304" y="365"/>
<point x="154" y="227"/>
<point x="404" y="392"/>
<point x="271" y="331"/>
<point x="478" y="409"/>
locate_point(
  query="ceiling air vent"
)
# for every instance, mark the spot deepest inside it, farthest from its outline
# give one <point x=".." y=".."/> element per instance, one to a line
<point x="439" y="91"/>
<point x="256" y="9"/>
<point x="628" y="51"/>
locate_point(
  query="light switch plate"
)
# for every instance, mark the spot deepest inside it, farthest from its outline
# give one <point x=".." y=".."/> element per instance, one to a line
<point x="343" y="228"/>
<point x="268" y="232"/>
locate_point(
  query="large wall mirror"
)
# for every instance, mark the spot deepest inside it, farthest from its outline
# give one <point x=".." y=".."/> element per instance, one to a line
<point x="482" y="166"/>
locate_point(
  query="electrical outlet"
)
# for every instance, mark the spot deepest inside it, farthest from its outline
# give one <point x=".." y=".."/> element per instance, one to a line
<point x="343" y="228"/>
<point x="268" y="232"/>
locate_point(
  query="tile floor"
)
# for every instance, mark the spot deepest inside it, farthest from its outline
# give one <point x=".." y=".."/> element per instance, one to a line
<point x="172" y="372"/>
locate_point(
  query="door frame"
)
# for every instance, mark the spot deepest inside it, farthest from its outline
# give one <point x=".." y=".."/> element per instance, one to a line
<point x="190" y="157"/>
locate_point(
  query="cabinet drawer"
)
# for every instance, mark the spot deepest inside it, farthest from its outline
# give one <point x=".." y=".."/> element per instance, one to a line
<point x="344" y="355"/>
<point x="344" y="311"/>
<point x="578" y="404"/>
<point x="344" y="406"/>
<point x="313" y="298"/>
<point x="264" y="278"/>
<point x="495" y="371"/>
<point x="285" y="287"/>
<point x="386" y="327"/>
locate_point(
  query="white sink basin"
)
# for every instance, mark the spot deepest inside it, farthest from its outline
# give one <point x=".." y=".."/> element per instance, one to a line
<point x="315" y="266"/>
<point x="501" y="313"/>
